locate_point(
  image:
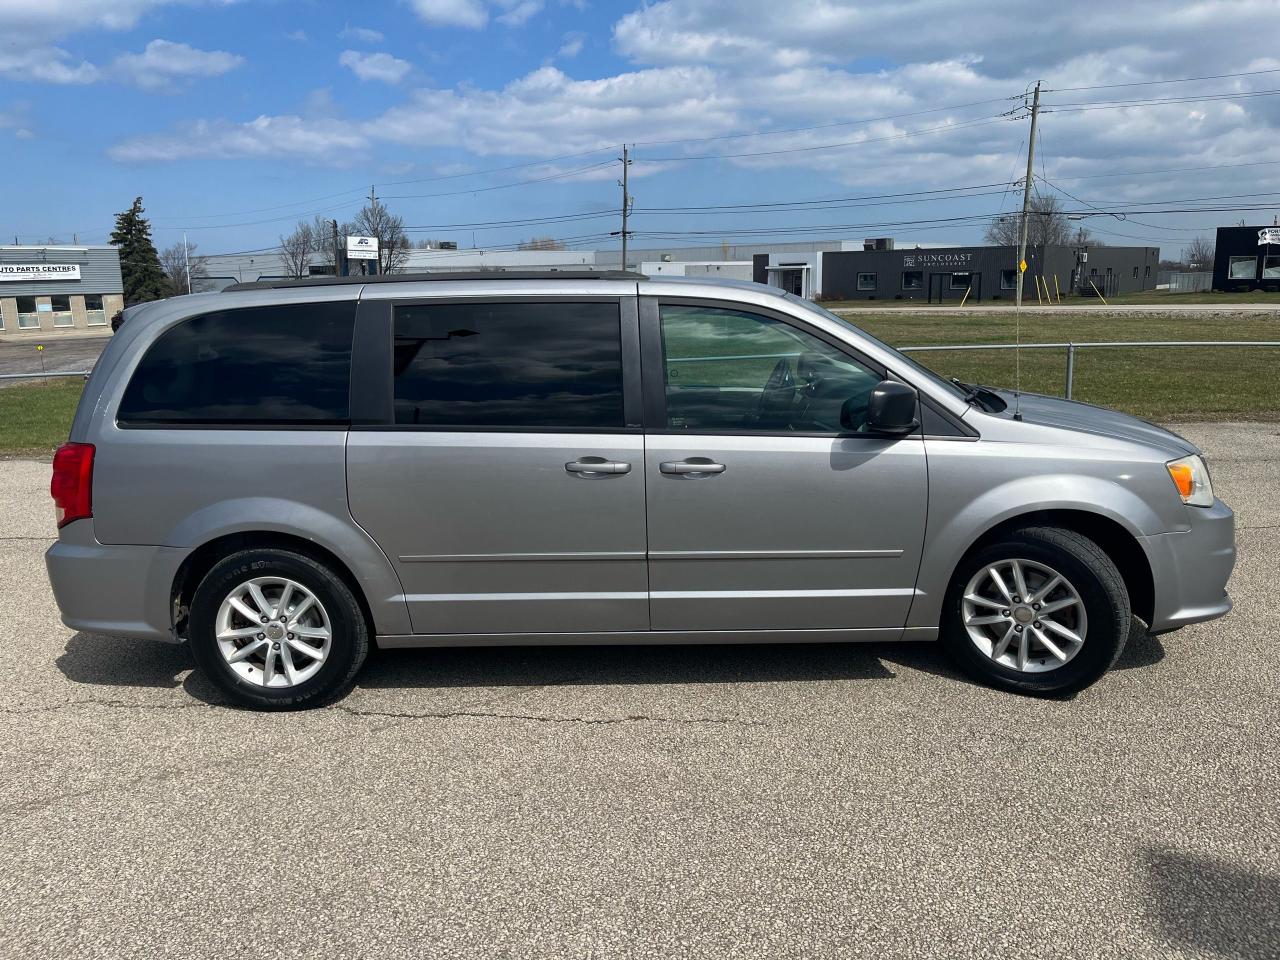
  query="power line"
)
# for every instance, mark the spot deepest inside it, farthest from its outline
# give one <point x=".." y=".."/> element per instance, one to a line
<point x="977" y="122"/>
<point x="1084" y="106"/>
<point x="823" y="126"/>
<point x="1149" y="83"/>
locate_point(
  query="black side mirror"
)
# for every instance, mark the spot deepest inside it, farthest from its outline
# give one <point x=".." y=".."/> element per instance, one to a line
<point x="892" y="409"/>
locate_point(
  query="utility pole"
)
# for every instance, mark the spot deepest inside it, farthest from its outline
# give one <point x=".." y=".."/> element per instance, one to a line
<point x="186" y="259"/>
<point x="626" y="204"/>
<point x="336" y="269"/>
<point x="1026" y="193"/>
<point x="377" y="221"/>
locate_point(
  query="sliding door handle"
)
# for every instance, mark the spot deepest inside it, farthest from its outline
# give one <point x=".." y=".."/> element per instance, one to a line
<point x="597" y="467"/>
<point x="694" y="466"/>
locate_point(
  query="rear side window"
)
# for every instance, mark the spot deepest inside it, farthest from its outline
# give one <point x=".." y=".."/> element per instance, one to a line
<point x="287" y="364"/>
<point x="509" y="365"/>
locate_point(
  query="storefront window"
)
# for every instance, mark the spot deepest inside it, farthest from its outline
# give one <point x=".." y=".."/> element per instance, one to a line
<point x="1271" y="268"/>
<point x="93" y="309"/>
<point x="27" y="315"/>
<point x="61" y="310"/>
<point x="866" y="281"/>
<point x="960" y="281"/>
<point x="1242" y="268"/>
<point x="1008" y="279"/>
<point x="913" y="280"/>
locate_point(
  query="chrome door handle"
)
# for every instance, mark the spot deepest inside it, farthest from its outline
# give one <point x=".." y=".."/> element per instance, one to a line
<point x="691" y="467"/>
<point x="597" y="467"/>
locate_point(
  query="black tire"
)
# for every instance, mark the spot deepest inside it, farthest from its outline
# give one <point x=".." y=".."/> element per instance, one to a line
<point x="350" y="632"/>
<point x="1095" y="578"/>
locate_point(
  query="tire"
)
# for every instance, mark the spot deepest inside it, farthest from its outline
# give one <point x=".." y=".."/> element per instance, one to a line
<point x="1100" y="604"/>
<point x="333" y="610"/>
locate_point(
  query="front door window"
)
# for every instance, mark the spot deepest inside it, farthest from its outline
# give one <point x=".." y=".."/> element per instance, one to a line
<point x="730" y="371"/>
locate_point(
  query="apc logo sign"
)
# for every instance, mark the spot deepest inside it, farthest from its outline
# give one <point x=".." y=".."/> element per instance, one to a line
<point x="362" y="248"/>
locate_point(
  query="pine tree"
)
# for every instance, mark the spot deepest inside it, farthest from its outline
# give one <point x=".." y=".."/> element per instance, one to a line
<point x="144" y="278"/>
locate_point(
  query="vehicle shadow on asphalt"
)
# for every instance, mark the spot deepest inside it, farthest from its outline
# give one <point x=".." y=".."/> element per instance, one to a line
<point x="1203" y="904"/>
<point x="112" y="662"/>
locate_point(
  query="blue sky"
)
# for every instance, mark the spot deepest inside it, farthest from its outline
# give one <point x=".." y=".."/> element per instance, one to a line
<point x="235" y="118"/>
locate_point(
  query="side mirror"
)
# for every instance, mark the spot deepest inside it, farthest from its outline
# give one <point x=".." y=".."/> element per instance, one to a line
<point x="892" y="410"/>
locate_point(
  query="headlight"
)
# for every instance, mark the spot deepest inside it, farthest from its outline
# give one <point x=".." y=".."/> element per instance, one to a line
<point x="1191" y="477"/>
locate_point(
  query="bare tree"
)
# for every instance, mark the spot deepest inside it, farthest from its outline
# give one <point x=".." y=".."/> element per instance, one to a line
<point x="1047" y="225"/>
<point x="296" y="250"/>
<point x="375" y="220"/>
<point x="175" y="260"/>
<point x="322" y="232"/>
<point x="542" y="243"/>
<point x="1198" y="254"/>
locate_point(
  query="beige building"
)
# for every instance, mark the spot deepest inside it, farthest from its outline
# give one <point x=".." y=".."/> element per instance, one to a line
<point x="53" y="290"/>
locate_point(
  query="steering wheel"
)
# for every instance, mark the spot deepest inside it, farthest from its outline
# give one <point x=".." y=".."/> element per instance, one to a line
<point x="777" y="396"/>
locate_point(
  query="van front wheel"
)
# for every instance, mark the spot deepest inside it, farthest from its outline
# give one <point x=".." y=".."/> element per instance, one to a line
<point x="1042" y="610"/>
<point x="276" y="630"/>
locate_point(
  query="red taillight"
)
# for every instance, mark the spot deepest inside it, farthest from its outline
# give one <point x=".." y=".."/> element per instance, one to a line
<point x="72" y="485"/>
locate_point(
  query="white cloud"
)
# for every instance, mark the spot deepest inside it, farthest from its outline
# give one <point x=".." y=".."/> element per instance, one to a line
<point x="375" y="66"/>
<point x="163" y="62"/>
<point x="475" y="14"/>
<point x="472" y="14"/>
<point x="323" y="140"/>
<point x="22" y="133"/>
<point x="297" y="36"/>
<point x="47" y="65"/>
<point x="363" y="34"/>
<point x="30" y="29"/>
<point x="572" y="44"/>
<point x="520" y="13"/>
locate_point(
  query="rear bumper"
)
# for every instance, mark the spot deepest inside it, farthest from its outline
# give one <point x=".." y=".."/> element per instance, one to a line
<point x="1191" y="568"/>
<point x="120" y="591"/>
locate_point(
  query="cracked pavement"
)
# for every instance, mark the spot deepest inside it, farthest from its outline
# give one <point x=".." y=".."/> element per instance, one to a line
<point x="735" y="801"/>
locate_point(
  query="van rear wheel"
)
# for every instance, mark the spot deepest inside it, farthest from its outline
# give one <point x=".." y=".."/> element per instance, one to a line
<point x="276" y="630"/>
<point x="1042" y="610"/>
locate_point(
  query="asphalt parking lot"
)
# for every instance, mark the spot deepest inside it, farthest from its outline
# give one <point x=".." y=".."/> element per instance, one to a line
<point x="819" y="801"/>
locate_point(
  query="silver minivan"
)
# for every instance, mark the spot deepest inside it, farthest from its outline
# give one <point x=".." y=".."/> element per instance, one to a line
<point x="284" y="473"/>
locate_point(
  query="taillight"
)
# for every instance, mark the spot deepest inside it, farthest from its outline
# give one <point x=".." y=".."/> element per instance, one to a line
<point x="72" y="485"/>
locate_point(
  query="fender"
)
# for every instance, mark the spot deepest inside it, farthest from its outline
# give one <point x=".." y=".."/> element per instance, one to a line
<point x="341" y="536"/>
<point x="961" y="524"/>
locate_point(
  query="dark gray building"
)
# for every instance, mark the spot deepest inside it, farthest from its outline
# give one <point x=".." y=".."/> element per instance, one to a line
<point x="1247" y="258"/>
<point x="940" y="274"/>
<point x="58" y="289"/>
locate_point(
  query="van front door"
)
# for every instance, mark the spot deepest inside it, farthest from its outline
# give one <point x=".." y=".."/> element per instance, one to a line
<point x="509" y="489"/>
<point x="765" y="513"/>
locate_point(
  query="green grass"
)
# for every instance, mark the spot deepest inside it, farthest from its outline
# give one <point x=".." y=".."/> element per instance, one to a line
<point x="1170" y="383"/>
<point x="36" y="417"/>
<point x="1155" y="297"/>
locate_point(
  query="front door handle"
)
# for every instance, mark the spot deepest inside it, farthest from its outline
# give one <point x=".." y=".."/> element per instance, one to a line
<point x="694" y="466"/>
<point x="588" y="467"/>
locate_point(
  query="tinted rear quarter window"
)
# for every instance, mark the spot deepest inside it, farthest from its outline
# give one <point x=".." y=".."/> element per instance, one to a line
<point x="509" y="365"/>
<point x="286" y="364"/>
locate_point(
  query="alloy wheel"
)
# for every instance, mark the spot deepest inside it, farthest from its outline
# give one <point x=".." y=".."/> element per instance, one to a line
<point x="1024" y="615"/>
<point x="273" y="632"/>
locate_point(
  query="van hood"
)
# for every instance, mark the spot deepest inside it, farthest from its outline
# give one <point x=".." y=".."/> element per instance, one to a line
<point x="1086" y="418"/>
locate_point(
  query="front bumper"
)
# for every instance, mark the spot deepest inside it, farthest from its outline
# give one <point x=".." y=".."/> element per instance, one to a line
<point x="116" y="590"/>
<point x="1191" y="568"/>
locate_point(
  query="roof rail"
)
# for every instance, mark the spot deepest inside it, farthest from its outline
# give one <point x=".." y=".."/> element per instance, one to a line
<point x="438" y="276"/>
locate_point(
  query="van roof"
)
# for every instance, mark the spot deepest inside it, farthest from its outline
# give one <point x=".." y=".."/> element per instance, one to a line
<point x="440" y="276"/>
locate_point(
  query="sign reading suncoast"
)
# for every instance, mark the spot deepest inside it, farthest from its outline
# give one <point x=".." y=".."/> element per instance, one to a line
<point x="39" y="271"/>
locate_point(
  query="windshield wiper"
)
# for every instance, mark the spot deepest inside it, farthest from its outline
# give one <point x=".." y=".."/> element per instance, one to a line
<point x="984" y="397"/>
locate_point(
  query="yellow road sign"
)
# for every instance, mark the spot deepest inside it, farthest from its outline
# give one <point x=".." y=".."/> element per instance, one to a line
<point x="1022" y="267"/>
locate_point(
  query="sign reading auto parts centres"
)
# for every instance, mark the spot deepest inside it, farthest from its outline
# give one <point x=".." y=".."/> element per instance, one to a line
<point x="39" y="271"/>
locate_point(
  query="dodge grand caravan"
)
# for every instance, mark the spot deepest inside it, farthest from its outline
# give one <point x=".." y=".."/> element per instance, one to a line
<point x="284" y="473"/>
